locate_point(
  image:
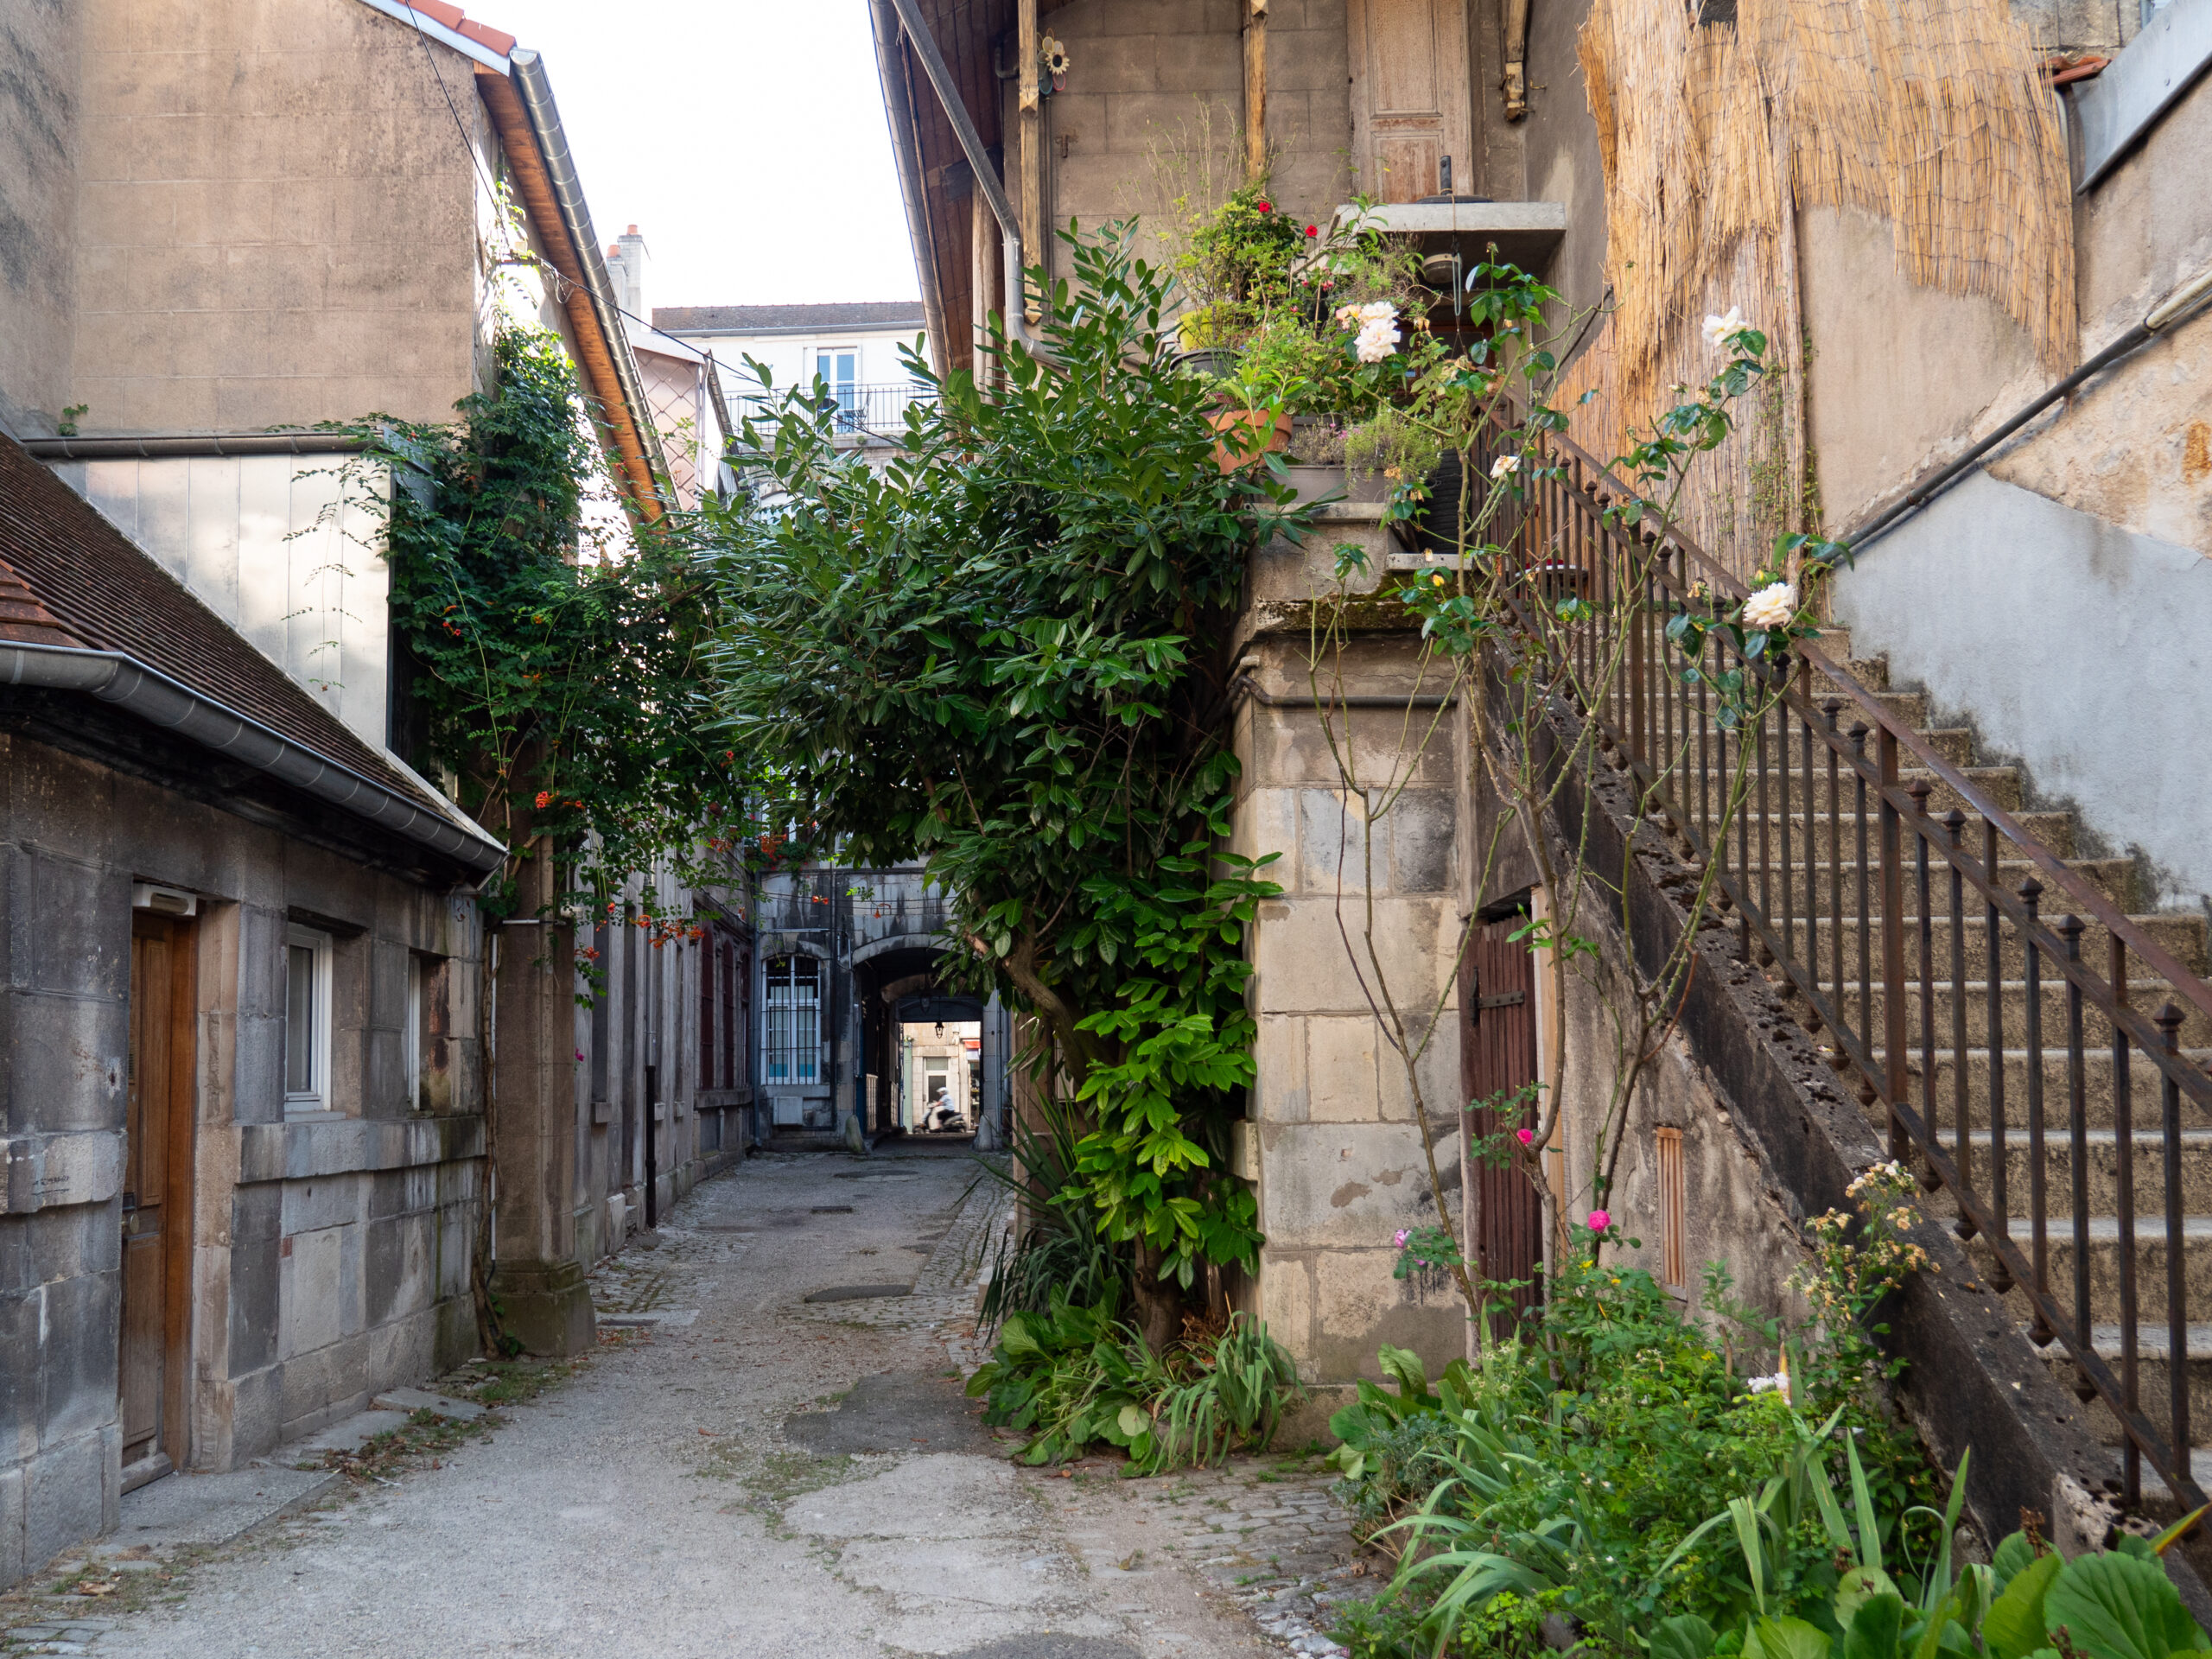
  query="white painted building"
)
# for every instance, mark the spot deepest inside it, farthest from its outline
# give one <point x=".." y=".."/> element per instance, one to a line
<point x="854" y="349"/>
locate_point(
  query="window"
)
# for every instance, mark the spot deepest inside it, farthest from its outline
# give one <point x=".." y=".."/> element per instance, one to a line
<point x="838" y="367"/>
<point x="793" y="1036"/>
<point x="306" y="1021"/>
<point x="411" y="1035"/>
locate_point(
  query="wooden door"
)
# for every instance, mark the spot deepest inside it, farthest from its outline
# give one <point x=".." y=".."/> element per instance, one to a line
<point x="1497" y="1055"/>
<point x="157" y="1193"/>
<point x="1410" y="107"/>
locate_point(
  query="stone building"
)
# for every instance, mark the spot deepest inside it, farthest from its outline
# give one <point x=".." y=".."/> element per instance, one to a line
<point x="251" y="987"/>
<point x="2015" y="337"/>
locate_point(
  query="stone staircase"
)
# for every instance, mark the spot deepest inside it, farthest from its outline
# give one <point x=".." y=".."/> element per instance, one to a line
<point x="2182" y="935"/>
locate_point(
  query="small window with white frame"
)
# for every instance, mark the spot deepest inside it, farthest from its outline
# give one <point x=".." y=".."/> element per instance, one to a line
<point x="306" y="1021"/>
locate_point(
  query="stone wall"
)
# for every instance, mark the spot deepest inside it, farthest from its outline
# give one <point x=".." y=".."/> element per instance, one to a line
<point x="329" y="1253"/>
<point x="1334" y="1143"/>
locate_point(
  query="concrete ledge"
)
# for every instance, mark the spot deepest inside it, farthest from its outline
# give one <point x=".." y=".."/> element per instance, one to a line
<point x="2147" y="79"/>
<point x="292" y="1151"/>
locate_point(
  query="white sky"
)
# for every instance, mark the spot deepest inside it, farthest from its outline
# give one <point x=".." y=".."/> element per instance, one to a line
<point x="744" y="138"/>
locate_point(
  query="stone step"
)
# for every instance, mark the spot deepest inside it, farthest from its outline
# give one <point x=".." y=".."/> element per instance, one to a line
<point x="2182" y="937"/>
<point x="2144" y="1088"/>
<point x="2001" y="784"/>
<point x="2104" y="1266"/>
<point x="1704" y="752"/>
<point x="2151" y="1343"/>
<point x="2102" y="1165"/>
<point x="2053" y="830"/>
<point x="2147" y="996"/>
<point x="2113" y="877"/>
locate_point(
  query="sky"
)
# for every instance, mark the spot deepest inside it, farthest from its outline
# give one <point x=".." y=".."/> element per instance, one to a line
<point x="744" y="138"/>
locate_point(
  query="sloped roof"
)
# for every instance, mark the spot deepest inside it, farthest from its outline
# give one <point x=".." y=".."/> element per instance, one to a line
<point x="759" y="319"/>
<point x="68" y="578"/>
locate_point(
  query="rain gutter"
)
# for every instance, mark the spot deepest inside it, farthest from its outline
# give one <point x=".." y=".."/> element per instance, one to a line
<point x="899" y="112"/>
<point x="160" y="700"/>
<point x="195" y="444"/>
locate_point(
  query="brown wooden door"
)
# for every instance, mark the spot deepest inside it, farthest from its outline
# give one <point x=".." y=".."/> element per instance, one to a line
<point x="1409" y="99"/>
<point x="157" y="1192"/>
<point x="1498" y="1055"/>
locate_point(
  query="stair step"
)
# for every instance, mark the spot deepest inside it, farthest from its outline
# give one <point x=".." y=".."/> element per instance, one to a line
<point x="2054" y="830"/>
<point x="2001" y="784"/>
<point x="2103" y="1167"/>
<point x="2145" y="1086"/>
<point x="2150" y="1346"/>
<point x="2184" y="936"/>
<point x="2104" y="1265"/>
<point x="2147" y="996"/>
<point x="2113" y="877"/>
<point x="1706" y="753"/>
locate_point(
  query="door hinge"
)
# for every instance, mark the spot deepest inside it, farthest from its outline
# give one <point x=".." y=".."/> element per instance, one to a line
<point x="1509" y="1000"/>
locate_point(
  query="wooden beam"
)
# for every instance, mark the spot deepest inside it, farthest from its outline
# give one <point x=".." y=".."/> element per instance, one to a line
<point x="1033" y="153"/>
<point x="594" y="353"/>
<point x="1256" y="90"/>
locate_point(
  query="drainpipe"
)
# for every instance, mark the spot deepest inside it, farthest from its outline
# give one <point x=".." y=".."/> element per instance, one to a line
<point x="891" y="70"/>
<point x="979" y="160"/>
<point x="529" y="78"/>
<point x="2161" y="317"/>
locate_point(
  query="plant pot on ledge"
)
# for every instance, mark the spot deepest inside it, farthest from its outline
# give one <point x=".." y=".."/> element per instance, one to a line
<point x="1246" y="434"/>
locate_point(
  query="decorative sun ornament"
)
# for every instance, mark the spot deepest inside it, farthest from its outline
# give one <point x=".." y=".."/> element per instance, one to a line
<point x="1055" y="57"/>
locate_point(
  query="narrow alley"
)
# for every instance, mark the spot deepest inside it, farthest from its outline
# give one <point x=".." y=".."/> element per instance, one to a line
<point x="767" y="1455"/>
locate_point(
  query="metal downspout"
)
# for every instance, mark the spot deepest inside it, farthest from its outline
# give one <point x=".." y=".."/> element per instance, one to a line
<point x="979" y="160"/>
<point x="900" y="114"/>
<point x="160" y="700"/>
<point x="529" y="76"/>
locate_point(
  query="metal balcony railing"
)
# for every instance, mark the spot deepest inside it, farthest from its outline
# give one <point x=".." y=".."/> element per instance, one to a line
<point x="1883" y="917"/>
<point x="867" y="413"/>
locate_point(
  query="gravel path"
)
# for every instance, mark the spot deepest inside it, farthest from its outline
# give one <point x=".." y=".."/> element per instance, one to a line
<point x="742" y="1471"/>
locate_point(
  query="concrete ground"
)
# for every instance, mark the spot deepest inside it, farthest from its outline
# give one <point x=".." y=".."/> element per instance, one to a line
<point x="740" y="1470"/>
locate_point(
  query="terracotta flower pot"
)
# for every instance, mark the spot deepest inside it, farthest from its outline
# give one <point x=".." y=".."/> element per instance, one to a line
<point x="1246" y="434"/>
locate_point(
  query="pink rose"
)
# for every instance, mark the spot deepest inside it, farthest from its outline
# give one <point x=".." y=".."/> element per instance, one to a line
<point x="1526" y="1137"/>
<point x="1400" y="1240"/>
<point x="1599" y="1221"/>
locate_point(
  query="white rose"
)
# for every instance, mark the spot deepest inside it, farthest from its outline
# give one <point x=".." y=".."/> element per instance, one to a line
<point x="1375" y="342"/>
<point x="1503" y="466"/>
<point x="1378" y="311"/>
<point x="1770" y="607"/>
<point x="1717" y="329"/>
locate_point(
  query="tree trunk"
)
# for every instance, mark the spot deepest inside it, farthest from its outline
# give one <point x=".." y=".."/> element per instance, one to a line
<point x="1159" y="1313"/>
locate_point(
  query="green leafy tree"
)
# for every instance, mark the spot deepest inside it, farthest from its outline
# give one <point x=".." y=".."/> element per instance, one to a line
<point x="1006" y="652"/>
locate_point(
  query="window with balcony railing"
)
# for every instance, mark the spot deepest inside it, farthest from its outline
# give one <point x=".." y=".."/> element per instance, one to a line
<point x="791" y="1022"/>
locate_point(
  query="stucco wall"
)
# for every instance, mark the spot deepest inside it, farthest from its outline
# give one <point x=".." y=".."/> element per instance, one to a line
<point x="2080" y="649"/>
<point x="1559" y="159"/>
<point x="270" y="212"/>
<point x="40" y="99"/>
<point x="328" y="1254"/>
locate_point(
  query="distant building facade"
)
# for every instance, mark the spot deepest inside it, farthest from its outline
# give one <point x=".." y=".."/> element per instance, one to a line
<point x="854" y="350"/>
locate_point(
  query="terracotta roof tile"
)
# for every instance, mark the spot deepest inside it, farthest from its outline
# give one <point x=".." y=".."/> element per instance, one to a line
<point x="74" y="579"/>
<point x="439" y="12"/>
<point x="484" y="35"/>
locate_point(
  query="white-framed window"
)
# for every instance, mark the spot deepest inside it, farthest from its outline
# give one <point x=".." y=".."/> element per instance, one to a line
<point x="792" y="1050"/>
<point x="307" y="1020"/>
<point x="838" y="367"/>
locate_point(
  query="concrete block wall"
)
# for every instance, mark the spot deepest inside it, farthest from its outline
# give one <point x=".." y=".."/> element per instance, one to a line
<point x="1153" y="80"/>
<point x="328" y="1256"/>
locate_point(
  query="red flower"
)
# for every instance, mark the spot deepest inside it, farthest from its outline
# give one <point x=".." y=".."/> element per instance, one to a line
<point x="1267" y="208"/>
<point x="543" y="796"/>
<point x="1312" y="229"/>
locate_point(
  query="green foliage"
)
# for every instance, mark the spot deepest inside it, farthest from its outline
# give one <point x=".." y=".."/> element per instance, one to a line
<point x="1072" y="1378"/>
<point x="1004" y="653"/>
<point x="556" y="678"/>
<point x="1066" y="1248"/>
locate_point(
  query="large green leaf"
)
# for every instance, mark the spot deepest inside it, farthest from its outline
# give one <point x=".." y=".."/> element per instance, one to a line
<point x="2014" y="1627"/>
<point x="2116" y="1606"/>
<point x="1875" y="1629"/>
<point x="1786" y="1638"/>
<point x="1684" y="1636"/>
